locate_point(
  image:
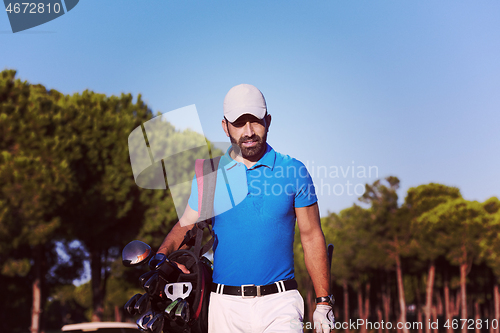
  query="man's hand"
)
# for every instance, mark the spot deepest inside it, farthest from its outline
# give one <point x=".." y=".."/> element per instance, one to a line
<point x="182" y="267"/>
<point x="323" y="318"/>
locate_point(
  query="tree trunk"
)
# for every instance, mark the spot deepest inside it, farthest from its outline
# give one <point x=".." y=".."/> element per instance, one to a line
<point x="439" y="304"/>
<point x="360" y="309"/>
<point x="346" y="304"/>
<point x="97" y="297"/>
<point x="447" y="311"/>
<point x="457" y="304"/>
<point x="463" y="273"/>
<point x="428" y="294"/>
<point x="367" y="301"/>
<point x="496" y="294"/>
<point x="386" y="296"/>
<point x="434" y="318"/>
<point x="419" y="310"/>
<point x="477" y="316"/>
<point x="36" y="309"/>
<point x="379" y="318"/>
<point x="118" y="314"/>
<point x="401" y="292"/>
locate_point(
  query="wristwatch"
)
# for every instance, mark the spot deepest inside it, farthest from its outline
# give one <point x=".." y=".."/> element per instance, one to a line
<point x="330" y="299"/>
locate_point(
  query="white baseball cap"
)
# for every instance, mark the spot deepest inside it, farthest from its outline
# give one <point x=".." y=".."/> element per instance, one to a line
<point x="244" y="99"/>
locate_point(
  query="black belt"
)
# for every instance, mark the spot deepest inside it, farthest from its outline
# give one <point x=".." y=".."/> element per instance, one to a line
<point x="251" y="290"/>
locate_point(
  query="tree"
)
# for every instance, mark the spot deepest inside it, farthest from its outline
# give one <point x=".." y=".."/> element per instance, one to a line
<point x="418" y="201"/>
<point x="35" y="175"/>
<point x="459" y="225"/>
<point x="394" y="231"/>
<point x="104" y="209"/>
<point x="490" y="250"/>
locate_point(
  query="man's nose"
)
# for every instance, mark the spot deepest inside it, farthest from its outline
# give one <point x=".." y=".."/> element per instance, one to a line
<point x="248" y="129"/>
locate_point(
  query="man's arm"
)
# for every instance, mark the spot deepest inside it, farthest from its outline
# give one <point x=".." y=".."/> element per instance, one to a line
<point x="314" y="245"/>
<point x="176" y="235"/>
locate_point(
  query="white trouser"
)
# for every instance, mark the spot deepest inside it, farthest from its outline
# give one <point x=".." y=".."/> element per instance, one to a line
<point x="280" y="312"/>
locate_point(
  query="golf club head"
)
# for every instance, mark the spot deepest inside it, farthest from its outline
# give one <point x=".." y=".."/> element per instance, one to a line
<point x="144" y="277"/>
<point x="144" y="319"/>
<point x="129" y="306"/>
<point x="170" y="309"/>
<point x="136" y="253"/>
<point x="142" y="304"/>
<point x="182" y="313"/>
<point x="155" y="324"/>
<point x="151" y="284"/>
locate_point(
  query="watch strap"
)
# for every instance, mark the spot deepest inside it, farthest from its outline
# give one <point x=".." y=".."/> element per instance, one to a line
<point x="328" y="299"/>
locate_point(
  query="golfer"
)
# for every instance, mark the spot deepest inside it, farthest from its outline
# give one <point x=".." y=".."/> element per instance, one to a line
<point x="254" y="288"/>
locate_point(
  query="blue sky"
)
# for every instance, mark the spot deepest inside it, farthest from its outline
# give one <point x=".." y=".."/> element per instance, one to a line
<point x="409" y="88"/>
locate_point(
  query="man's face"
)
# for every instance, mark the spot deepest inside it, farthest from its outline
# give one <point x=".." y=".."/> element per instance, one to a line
<point x="248" y="135"/>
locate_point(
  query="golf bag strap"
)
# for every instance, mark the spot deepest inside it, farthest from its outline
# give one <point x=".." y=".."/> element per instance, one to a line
<point x="206" y="177"/>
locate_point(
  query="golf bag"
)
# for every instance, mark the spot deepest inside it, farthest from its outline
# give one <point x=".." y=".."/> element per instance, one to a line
<point x="200" y="276"/>
<point x="197" y="283"/>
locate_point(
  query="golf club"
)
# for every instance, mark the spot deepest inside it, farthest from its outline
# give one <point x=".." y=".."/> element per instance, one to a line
<point x="136" y="253"/>
<point x="129" y="306"/>
<point x="170" y="309"/>
<point x="170" y="271"/>
<point x="182" y="312"/>
<point x="144" y="277"/>
<point x="330" y="254"/>
<point x="144" y="319"/>
<point x="155" y="324"/>
<point x="142" y="304"/>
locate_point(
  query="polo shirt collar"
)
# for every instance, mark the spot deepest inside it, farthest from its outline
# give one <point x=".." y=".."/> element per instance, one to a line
<point x="268" y="159"/>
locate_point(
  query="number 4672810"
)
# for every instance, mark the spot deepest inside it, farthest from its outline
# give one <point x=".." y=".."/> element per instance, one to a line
<point x="32" y="8"/>
<point x="471" y="323"/>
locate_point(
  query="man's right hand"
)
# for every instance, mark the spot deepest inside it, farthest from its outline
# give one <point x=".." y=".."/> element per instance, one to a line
<point x="182" y="267"/>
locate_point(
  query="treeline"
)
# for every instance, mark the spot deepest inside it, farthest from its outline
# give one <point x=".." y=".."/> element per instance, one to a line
<point x="67" y="199"/>
<point x="435" y="257"/>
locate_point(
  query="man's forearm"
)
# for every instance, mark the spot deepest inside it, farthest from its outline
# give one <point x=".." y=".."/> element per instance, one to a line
<point x="173" y="239"/>
<point x="315" y="257"/>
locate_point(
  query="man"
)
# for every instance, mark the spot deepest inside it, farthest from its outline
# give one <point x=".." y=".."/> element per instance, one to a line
<point x="254" y="288"/>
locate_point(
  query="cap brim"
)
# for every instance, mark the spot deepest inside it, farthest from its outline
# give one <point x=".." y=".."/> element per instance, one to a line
<point x="232" y="115"/>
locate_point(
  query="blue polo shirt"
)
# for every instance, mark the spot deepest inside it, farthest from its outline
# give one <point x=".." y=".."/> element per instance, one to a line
<point x="254" y="221"/>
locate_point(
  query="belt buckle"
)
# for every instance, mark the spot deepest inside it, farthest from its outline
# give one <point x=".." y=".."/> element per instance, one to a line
<point x="249" y="285"/>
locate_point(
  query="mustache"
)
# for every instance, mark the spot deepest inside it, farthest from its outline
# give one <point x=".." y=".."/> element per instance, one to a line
<point x="250" y="138"/>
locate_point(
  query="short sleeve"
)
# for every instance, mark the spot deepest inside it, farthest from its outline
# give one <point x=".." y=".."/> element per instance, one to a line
<point x="193" y="197"/>
<point x="305" y="194"/>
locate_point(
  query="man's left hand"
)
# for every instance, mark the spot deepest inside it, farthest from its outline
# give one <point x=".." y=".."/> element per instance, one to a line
<point x="323" y="318"/>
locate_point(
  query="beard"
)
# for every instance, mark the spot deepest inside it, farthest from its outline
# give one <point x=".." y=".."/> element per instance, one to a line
<point x="249" y="153"/>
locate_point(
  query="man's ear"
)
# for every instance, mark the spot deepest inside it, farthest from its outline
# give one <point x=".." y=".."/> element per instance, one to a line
<point x="268" y="121"/>
<point x="224" y="127"/>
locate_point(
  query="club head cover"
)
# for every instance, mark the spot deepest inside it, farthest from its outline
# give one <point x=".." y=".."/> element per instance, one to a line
<point x="156" y="261"/>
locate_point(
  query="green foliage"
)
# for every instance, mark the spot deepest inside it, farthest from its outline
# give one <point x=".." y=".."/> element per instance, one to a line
<point x="457" y="225"/>
<point x="13" y="267"/>
<point x="418" y="201"/>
